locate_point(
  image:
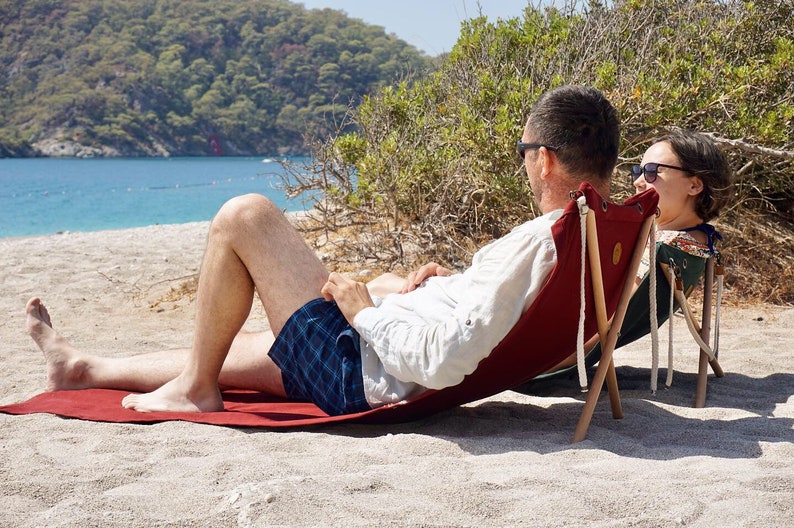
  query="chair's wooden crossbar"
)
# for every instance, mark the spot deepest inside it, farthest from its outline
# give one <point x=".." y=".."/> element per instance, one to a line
<point x="606" y="366"/>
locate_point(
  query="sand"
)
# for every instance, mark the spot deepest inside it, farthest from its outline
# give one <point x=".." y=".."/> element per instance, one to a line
<point x="503" y="461"/>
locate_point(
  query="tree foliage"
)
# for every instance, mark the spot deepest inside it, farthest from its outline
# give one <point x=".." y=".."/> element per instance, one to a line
<point x="158" y="77"/>
<point x="432" y="163"/>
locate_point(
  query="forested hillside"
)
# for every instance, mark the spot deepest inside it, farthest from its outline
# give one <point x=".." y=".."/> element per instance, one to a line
<point x="155" y="77"/>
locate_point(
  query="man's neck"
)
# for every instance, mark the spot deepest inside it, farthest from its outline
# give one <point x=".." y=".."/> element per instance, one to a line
<point x="559" y="197"/>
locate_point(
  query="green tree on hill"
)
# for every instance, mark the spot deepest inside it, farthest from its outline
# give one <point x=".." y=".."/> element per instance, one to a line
<point x="151" y="77"/>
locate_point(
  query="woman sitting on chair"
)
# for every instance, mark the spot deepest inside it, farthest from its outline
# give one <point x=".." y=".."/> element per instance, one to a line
<point x="694" y="181"/>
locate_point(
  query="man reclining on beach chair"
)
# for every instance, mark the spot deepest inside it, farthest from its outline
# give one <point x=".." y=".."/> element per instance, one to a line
<point x="330" y="342"/>
<point x="555" y="322"/>
<point x="352" y="358"/>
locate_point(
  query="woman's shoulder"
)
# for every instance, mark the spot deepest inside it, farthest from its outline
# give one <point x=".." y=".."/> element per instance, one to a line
<point x="685" y="242"/>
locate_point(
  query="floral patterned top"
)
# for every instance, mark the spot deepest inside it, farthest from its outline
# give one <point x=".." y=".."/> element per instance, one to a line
<point x="685" y="242"/>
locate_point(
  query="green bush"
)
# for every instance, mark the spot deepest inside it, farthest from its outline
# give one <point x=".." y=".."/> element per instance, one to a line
<point x="432" y="161"/>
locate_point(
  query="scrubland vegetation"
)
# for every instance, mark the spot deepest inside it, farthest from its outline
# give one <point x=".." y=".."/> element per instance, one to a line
<point x="431" y="168"/>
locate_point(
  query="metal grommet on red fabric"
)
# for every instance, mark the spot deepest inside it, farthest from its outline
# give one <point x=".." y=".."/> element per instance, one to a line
<point x="604" y="205"/>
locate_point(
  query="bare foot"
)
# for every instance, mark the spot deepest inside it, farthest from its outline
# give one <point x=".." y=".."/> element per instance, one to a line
<point x="65" y="368"/>
<point x="176" y="396"/>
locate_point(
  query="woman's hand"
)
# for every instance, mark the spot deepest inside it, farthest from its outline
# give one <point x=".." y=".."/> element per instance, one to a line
<point x="431" y="269"/>
<point x="351" y="296"/>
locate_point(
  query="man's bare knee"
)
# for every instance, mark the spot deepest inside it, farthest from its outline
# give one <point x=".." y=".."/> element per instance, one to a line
<point x="246" y="213"/>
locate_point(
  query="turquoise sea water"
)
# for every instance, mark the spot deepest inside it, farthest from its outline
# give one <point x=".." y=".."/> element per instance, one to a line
<point x="48" y="195"/>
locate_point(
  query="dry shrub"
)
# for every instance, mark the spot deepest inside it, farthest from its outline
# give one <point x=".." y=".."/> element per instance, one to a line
<point x="759" y="258"/>
<point x="184" y="291"/>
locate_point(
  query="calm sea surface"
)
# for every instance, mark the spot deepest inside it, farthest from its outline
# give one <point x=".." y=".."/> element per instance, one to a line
<point x="47" y="195"/>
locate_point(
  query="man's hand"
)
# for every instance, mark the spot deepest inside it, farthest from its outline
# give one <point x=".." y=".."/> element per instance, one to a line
<point x="351" y="296"/>
<point x="431" y="269"/>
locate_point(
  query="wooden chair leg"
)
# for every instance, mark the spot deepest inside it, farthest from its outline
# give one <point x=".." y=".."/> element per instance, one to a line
<point x="608" y="344"/>
<point x="592" y="399"/>
<point x="605" y="371"/>
<point x="614" y="391"/>
<point x="705" y="334"/>
<point x="703" y="376"/>
<point x="702" y="381"/>
<point x="716" y="368"/>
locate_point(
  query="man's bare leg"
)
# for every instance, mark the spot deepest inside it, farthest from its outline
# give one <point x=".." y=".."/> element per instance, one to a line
<point x="251" y="245"/>
<point x="246" y="367"/>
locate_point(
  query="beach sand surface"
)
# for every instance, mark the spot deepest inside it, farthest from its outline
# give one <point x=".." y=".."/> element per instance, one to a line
<point x="503" y="461"/>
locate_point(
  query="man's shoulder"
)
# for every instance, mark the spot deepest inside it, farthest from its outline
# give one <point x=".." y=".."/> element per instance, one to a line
<point x="540" y="225"/>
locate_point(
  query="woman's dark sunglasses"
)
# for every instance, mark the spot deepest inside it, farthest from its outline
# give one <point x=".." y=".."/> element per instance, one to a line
<point x="650" y="171"/>
<point x="524" y="147"/>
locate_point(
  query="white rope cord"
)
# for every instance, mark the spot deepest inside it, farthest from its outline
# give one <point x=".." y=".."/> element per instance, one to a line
<point x="670" y="318"/>
<point x="690" y="322"/>
<point x="720" y="272"/>
<point x="655" y="334"/>
<point x="580" y="364"/>
<point x="668" y="382"/>
<point x="652" y="307"/>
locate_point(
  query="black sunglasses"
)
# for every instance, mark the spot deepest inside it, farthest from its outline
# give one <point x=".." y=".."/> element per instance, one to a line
<point x="524" y="147"/>
<point x="650" y="171"/>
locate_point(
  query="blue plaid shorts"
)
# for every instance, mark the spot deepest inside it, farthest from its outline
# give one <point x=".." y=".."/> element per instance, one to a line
<point x="319" y="355"/>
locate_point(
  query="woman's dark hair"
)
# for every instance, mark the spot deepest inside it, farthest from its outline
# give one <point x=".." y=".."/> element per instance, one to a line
<point x="701" y="156"/>
<point x="583" y="125"/>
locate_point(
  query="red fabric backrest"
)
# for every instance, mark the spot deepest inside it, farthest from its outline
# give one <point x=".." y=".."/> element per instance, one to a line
<point x="546" y="333"/>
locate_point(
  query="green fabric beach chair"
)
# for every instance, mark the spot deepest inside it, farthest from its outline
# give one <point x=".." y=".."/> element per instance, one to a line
<point x="688" y="271"/>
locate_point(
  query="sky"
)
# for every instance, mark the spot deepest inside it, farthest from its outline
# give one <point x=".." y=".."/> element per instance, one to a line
<point x="430" y="25"/>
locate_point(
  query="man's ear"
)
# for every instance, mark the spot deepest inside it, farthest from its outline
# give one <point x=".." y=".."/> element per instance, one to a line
<point x="547" y="160"/>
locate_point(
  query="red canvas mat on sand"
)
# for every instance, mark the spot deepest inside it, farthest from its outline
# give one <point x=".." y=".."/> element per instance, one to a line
<point x="242" y="409"/>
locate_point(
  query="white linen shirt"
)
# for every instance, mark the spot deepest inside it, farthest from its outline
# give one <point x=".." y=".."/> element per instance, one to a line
<point x="435" y="335"/>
